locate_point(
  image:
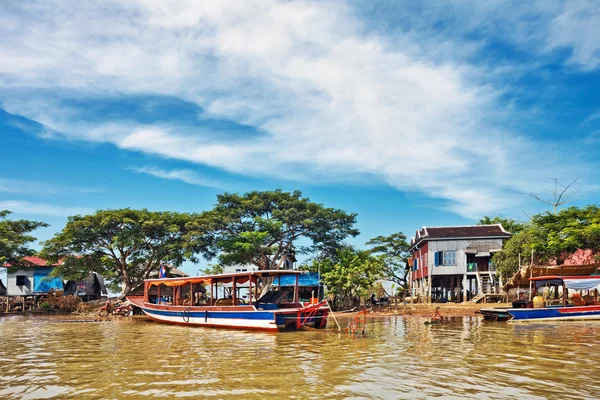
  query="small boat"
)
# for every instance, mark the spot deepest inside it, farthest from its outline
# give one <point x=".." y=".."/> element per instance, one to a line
<point x="268" y="306"/>
<point x="561" y="308"/>
<point x="498" y="314"/>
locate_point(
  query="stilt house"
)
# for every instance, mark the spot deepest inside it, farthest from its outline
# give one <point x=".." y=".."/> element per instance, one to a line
<point x="453" y="263"/>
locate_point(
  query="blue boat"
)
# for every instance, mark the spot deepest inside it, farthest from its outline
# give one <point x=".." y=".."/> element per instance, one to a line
<point x="578" y="308"/>
<point x="268" y="306"/>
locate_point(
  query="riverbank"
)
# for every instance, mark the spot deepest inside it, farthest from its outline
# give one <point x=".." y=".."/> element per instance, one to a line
<point x="426" y="310"/>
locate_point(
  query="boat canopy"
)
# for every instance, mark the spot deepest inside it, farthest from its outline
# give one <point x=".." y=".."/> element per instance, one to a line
<point x="240" y="277"/>
<point x="571" y="282"/>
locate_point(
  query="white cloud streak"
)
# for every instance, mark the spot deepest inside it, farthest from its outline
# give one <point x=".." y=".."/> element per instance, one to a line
<point x="330" y="99"/>
<point x="184" y="175"/>
<point x="26" y="207"/>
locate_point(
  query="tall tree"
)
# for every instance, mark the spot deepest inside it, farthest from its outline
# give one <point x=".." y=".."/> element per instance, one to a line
<point x="15" y="237"/>
<point x="124" y="245"/>
<point x="552" y="238"/>
<point x="261" y="228"/>
<point x="393" y="250"/>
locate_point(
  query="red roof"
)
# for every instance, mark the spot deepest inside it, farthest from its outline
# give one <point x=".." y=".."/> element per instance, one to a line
<point x="37" y="261"/>
<point x="460" y="232"/>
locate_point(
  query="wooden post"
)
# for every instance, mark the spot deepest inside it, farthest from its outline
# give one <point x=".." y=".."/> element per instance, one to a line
<point x="565" y="294"/>
<point x="158" y="289"/>
<point x="250" y="289"/>
<point x="233" y="291"/>
<point x="191" y="294"/>
<point x="212" y="296"/>
<point x="295" y="289"/>
<point x="465" y="283"/>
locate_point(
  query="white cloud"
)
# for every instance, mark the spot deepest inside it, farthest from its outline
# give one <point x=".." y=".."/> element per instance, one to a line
<point x="184" y="175"/>
<point x="330" y="98"/>
<point x="28" y="187"/>
<point x="26" y="207"/>
<point x="578" y="28"/>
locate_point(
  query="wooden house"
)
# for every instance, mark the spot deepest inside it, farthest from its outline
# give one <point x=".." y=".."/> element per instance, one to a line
<point x="32" y="279"/>
<point x="90" y="288"/>
<point x="453" y="263"/>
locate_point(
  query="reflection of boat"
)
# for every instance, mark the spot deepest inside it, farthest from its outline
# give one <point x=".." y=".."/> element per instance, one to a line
<point x="557" y="308"/>
<point x="185" y="301"/>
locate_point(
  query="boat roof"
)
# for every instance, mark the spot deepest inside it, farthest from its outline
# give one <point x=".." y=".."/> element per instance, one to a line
<point x="225" y="278"/>
<point x="589" y="282"/>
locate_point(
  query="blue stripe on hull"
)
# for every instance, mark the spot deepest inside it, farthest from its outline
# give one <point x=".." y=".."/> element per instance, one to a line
<point x="262" y="315"/>
<point x="529" y="314"/>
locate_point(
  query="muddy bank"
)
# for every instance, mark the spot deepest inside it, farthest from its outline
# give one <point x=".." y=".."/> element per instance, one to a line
<point x="426" y="310"/>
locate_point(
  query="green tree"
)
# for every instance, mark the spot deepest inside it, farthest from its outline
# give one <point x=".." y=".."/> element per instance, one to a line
<point x="261" y="228"/>
<point x="510" y="225"/>
<point x="15" y="238"/>
<point x="393" y="250"/>
<point x="352" y="275"/>
<point x="552" y="237"/>
<point x="124" y="245"/>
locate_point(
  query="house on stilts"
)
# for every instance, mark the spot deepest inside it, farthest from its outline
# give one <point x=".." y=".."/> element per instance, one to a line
<point x="453" y="263"/>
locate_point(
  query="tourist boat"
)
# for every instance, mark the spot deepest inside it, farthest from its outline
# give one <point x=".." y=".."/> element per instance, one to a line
<point x="194" y="301"/>
<point x="554" y="308"/>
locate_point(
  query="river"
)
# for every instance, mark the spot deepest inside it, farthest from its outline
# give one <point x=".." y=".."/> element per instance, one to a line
<point x="130" y="358"/>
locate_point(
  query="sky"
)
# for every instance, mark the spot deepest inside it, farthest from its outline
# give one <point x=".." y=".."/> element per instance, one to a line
<point x="408" y="113"/>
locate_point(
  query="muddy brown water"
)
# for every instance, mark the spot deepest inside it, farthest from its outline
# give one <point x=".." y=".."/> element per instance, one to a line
<point x="131" y="358"/>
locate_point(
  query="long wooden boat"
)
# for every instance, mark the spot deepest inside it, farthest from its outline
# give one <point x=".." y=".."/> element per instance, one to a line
<point x="578" y="308"/>
<point x="575" y="311"/>
<point x="194" y="301"/>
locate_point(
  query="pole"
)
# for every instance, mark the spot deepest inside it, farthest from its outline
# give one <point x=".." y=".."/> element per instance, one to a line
<point x="531" y="276"/>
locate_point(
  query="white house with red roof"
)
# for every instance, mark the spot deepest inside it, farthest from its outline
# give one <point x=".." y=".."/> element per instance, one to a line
<point x="32" y="280"/>
<point x="453" y="263"/>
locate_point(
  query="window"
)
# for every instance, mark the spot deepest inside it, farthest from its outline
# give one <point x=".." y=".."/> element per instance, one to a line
<point x="21" y="280"/>
<point x="445" y="258"/>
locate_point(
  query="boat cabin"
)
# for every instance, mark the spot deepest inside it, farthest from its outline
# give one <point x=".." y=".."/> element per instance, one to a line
<point x="262" y="289"/>
<point x="555" y="290"/>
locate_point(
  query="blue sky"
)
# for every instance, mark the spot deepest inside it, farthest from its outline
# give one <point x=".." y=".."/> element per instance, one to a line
<point x="407" y="113"/>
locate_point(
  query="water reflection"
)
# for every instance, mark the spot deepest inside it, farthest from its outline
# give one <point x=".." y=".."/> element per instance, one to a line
<point x="398" y="358"/>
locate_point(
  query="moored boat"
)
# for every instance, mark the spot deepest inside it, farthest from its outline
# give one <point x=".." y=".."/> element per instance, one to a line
<point x="555" y="307"/>
<point x="186" y="301"/>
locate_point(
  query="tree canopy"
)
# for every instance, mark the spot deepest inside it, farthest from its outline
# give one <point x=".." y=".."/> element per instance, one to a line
<point x="510" y="225"/>
<point x="15" y="236"/>
<point x="261" y="228"/>
<point x="124" y="245"/>
<point x="353" y="274"/>
<point x="552" y="237"/>
<point x="393" y="250"/>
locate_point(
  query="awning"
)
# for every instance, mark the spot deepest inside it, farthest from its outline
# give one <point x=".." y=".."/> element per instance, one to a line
<point x="482" y="254"/>
<point x="582" y="284"/>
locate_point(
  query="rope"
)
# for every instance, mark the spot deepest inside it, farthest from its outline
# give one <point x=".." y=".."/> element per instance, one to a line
<point x="333" y="315"/>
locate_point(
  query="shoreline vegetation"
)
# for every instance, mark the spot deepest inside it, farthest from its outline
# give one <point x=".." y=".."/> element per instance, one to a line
<point x="270" y="230"/>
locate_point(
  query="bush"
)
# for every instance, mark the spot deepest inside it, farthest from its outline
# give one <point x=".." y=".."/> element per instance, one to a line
<point x="45" y="305"/>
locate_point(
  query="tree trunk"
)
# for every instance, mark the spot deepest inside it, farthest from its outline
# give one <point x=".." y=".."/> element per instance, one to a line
<point x="126" y="289"/>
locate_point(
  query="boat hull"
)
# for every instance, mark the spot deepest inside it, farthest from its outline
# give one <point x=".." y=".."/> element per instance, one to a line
<point x="555" y="314"/>
<point x="238" y="317"/>
<point x="495" y="314"/>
